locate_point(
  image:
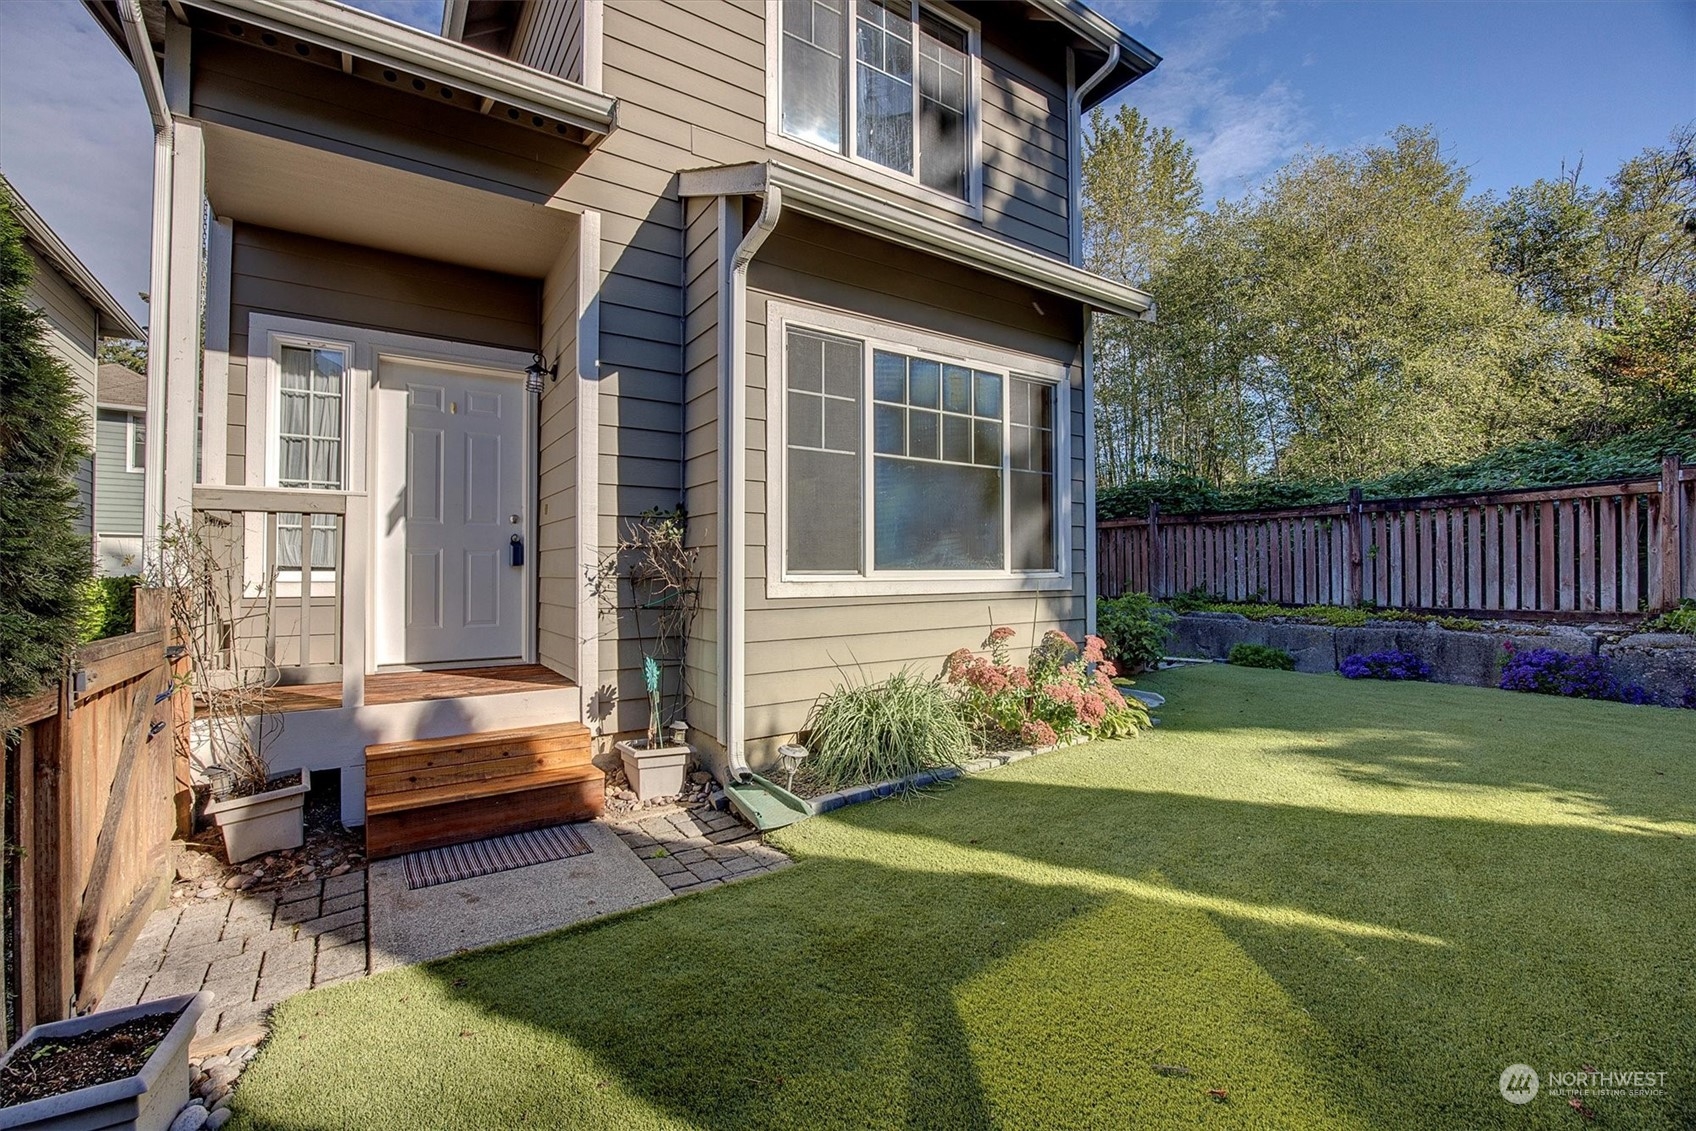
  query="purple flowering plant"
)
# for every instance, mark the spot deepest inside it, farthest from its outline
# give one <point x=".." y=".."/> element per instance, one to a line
<point x="1393" y="664"/>
<point x="1548" y="671"/>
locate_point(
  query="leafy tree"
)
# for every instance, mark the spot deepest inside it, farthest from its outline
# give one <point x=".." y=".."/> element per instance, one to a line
<point x="125" y="352"/>
<point x="44" y="563"/>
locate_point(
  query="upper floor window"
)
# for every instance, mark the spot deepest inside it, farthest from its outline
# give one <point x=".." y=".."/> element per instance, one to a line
<point x="882" y="81"/>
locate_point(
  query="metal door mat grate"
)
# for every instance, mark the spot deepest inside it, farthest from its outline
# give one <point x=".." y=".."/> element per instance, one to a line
<point x="497" y="854"/>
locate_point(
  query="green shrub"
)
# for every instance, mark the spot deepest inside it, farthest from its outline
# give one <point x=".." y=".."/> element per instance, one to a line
<point x="44" y="562"/>
<point x="1681" y="619"/>
<point x="1334" y="616"/>
<point x="108" y="607"/>
<point x="872" y="732"/>
<point x="1135" y="630"/>
<point x="1262" y="656"/>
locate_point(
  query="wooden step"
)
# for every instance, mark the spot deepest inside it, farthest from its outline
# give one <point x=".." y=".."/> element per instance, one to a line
<point x="468" y="791"/>
<point x="456" y="822"/>
<point x="425" y="793"/>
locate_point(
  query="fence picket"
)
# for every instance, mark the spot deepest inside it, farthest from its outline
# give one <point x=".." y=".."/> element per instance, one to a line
<point x="1619" y="547"/>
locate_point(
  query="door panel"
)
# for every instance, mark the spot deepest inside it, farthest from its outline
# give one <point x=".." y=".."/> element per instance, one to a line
<point x="450" y="496"/>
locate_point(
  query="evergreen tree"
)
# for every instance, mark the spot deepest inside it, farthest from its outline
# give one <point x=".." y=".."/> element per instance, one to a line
<point x="44" y="563"/>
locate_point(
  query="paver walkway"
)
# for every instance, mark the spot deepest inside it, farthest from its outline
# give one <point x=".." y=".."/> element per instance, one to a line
<point x="253" y="951"/>
<point x="697" y="849"/>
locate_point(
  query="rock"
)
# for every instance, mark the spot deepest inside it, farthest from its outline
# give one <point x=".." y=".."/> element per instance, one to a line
<point x="191" y="1118"/>
<point x="700" y="777"/>
<point x="341" y="869"/>
<point x="238" y="881"/>
<point x="212" y="1062"/>
<point x="224" y="1101"/>
<point x="222" y="1075"/>
<point x="217" y="1119"/>
<point x="243" y="1053"/>
<point x="208" y="893"/>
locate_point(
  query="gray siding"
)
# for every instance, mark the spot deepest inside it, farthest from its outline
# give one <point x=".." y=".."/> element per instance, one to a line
<point x="298" y="276"/>
<point x="701" y="482"/>
<point x="559" y="562"/>
<point x="549" y="37"/>
<point x="799" y="647"/>
<point x="118" y="501"/>
<point x="73" y="334"/>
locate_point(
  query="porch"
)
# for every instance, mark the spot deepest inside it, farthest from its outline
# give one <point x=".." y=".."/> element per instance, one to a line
<point x="298" y="640"/>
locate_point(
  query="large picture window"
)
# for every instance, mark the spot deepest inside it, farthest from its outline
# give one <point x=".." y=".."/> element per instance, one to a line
<point x="881" y="81"/>
<point x="903" y="462"/>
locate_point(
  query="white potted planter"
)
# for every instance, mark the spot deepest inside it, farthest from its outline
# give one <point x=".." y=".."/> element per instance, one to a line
<point x="146" y="1101"/>
<point x="654" y="771"/>
<point x="262" y="822"/>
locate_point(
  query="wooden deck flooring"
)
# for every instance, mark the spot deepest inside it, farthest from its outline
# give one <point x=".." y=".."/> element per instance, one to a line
<point x="414" y="687"/>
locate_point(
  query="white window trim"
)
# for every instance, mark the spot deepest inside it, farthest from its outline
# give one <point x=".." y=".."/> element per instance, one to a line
<point x="860" y="167"/>
<point x="780" y="317"/>
<point x="267" y="333"/>
<point x="130" y="419"/>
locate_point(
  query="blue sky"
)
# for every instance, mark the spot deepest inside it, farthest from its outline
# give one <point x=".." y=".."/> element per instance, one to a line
<point x="1512" y="88"/>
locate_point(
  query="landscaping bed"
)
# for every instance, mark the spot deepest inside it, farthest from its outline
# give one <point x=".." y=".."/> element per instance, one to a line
<point x="1663" y="663"/>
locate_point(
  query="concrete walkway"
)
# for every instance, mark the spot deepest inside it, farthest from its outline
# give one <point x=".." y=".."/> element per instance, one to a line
<point x="415" y="926"/>
<point x="253" y="951"/>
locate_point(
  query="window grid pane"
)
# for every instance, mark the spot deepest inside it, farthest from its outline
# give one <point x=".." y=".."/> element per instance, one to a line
<point x="812" y="62"/>
<point x="1032" y="463"/>
<point x="823" y="467"/>
<point x="309" y="448"/>
<point x="883" y="87"/>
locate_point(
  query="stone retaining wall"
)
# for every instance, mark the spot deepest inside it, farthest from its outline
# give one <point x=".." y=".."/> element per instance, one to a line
<point x="1665" y="663"/>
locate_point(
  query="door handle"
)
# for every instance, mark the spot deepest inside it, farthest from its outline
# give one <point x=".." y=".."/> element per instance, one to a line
<point x="517" y="550"/>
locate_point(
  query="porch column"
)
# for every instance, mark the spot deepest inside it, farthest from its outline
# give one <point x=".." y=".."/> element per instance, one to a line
<point x="182" y="324"/>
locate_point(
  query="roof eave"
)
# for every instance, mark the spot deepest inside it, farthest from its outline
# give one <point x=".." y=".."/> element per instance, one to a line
<point x="64" y="260"/>
<point x="847" y="205"/>
<point x="1135" y="58"/>
<point x="337" y="27"/>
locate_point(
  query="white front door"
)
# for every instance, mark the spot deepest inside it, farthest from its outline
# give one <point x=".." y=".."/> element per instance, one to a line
<point x="450" y="499"/>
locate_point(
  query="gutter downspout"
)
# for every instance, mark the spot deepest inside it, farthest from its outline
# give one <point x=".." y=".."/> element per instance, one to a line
<point x="147" y="67"/>
<point x="159" y="288"/>
<point x="733" y="437"/>
<point x="1091" y="537"/>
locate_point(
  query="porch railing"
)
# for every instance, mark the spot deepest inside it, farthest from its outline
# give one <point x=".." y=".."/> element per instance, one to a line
<point x="297" y="571"/>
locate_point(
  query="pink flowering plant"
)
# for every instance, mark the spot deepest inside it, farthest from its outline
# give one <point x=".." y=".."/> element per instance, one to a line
<point x="1062" y="691"/>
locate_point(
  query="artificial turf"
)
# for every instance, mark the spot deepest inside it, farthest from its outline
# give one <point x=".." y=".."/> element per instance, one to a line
<point x="1300" y="902"/>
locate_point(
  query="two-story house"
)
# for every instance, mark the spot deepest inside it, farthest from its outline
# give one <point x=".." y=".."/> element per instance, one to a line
<point x="809" y="268"/>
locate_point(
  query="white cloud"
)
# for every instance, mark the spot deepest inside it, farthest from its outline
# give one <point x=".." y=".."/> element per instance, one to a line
<point x="1241" y="125"/>
<point x="76" y="141"/>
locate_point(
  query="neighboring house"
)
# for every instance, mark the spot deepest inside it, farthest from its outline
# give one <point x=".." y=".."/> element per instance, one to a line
<point x="80" y="313"/>
<point x="809" y="269"/>
<point x="120" y="465"/>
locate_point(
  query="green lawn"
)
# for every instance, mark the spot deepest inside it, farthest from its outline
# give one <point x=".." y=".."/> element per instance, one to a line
<point x="1342" y="905"/>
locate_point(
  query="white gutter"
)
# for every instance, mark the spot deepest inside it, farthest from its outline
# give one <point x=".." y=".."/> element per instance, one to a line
<point x="1075" y="241"/>
<point x="146" y="66"/>
<point x="339" y="28"/>
<point x="855" y="208"/>
<point x="733" y="443"/>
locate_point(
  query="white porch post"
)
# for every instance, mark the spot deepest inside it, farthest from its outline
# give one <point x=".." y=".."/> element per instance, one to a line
<point x="588" y="455"/>
<point x="181" y="344"/>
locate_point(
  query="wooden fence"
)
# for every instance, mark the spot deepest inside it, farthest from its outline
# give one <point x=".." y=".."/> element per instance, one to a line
<point x="1618" y="548"/>
<point x="92" y="794"/>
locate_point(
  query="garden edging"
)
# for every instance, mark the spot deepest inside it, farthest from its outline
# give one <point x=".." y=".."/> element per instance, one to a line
<point x="879" y="790"/>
